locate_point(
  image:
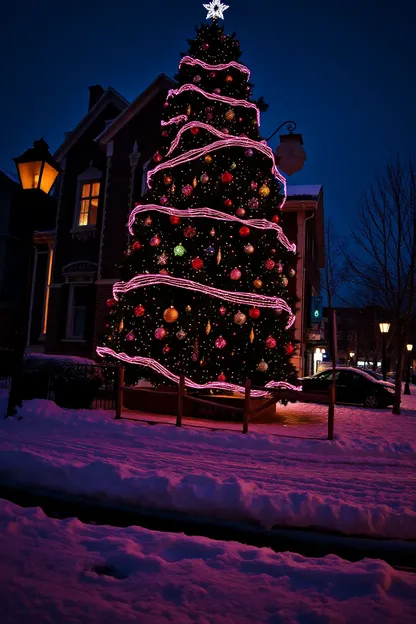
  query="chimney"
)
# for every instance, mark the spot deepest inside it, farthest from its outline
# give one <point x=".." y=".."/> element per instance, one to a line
<point x="96" y="92"/>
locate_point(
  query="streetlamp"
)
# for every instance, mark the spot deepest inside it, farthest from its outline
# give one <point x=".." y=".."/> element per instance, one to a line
<point x="351" y="354"/>
<point x="409" y="348"/>
<point x="290" y="155"/>
<point x="384" y="330"/>
<point x="37" y="172"/>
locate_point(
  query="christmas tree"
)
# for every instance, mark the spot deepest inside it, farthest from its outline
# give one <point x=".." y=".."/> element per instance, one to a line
<point x="207" y="269"/>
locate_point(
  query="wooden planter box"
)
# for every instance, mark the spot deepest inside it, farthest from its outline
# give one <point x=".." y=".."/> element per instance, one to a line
<point x="165" y="401"/>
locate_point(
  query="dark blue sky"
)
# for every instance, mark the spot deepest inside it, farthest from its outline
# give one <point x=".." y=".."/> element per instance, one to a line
<point x="343" y="69"/>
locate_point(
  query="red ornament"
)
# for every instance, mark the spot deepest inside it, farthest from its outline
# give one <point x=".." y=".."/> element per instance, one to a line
<point x="275" y="218"/>
<point x="165" y="133"/>
<point x="189" y="231"/>
<point x="139" y="310"/>
<point x="228" y="203"/>
<point x="166" y="349"/>
<point x="269" y="264"/>
<point x="235" y="275"/>
<point x="175" y="220"/>
<point x="197" y="264"/>
<point x="240" y="212"/>
<point x="270" y="342"/>
<point x="168" y="179"/>
<point x="195" y="130"/>
<point x="290" y="349"/>
<point x="244" y="231"/>
<point x="217" y="91"/>
<point x="254" y="313"/>
<point x="158" y="157"/>
<point x="227" y="177"/>
<point x="213" y="74"/>
<point x="187" y="190"/>
<point x="111" y="303"/>
<point x="222" y="377"/>
<point x="155" y="241"/>
<point x="228" y="78"/>
<point x="222" y="311"/>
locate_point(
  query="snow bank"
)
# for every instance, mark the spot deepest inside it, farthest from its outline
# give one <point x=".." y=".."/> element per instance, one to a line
<point x="362" y="487"/>
<point x="65" y="571"/>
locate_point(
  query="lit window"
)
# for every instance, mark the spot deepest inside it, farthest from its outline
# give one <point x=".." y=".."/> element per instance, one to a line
<point x="89" y="204"/>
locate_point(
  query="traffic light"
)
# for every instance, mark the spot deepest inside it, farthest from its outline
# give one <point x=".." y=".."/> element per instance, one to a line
<point x="316" y="309"/>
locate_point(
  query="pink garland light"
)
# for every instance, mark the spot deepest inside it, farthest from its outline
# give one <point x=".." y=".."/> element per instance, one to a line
<point x="241" y="298"/>
<point x="162" y="370"/>
<point x="213" y="96"/>
<point x="209" y="213"/>
<point x="188" y="60"/>
<point x="259" y="145"/>
<point x="174" y="120"/>
<point x="201" y="151"/>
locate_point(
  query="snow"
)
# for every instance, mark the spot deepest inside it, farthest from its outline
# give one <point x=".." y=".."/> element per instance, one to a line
<point x="47" y="357"/>
<point x="362" y="483"/>
<point x="63" y="571"/>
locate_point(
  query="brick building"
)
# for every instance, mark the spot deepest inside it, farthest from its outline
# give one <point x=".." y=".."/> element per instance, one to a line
<point x="104" y="161"/>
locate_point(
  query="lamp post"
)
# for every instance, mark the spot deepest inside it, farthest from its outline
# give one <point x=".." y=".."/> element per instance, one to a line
<point x="409" y="348"/>
<point x="37" y="172"/>
<point x="290" y="155"/>
<point x="384" y="330"/>
<point x="352" y="355"/>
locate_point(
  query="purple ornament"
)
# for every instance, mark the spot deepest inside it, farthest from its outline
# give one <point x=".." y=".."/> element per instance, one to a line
<point x="130" y="336"/>
<point x="253" y="203"/>
<point x="249" y="152"/>
<point x="164" y="200"/>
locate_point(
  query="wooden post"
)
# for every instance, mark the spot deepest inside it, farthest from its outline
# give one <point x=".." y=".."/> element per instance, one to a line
<point x="331" y="412"/>
<point x="119" y="390"/>
<point x="246" y="405"/>
<point x="181" y="392"/>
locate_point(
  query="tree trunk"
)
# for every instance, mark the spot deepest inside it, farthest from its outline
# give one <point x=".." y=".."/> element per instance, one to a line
<point x="401" y="340"/>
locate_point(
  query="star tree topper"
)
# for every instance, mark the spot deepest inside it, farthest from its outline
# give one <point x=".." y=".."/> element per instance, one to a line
<point x="216" y="9"/>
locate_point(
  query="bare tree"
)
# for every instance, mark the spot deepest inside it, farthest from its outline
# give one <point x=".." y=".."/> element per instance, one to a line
<point x="336" y="270"/>
<point x="385" y="263"/>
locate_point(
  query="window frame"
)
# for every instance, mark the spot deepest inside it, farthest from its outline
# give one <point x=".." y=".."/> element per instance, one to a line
<point x="69" y="334"/>
<point x="90" y="176"/>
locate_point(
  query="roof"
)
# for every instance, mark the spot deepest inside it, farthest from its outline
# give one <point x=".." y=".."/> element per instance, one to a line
<point x="305" y="191"/>
<point x="162" y="82"/>
<point x="11" y="176"/>
<point x="110" y="96"/>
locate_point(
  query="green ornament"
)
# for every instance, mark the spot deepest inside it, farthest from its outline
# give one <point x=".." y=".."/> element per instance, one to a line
<point x="179" y="250"/>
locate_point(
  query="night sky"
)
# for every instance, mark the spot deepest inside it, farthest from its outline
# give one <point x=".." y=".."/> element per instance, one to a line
<point x="343" y="70"/>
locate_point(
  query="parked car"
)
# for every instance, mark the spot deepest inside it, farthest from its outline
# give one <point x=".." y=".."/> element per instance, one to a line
<point x="352" y="386"/>
<point x="377" y="375"/>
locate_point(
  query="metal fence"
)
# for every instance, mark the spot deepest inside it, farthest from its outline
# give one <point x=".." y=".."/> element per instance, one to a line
<point x="69" y="384"/>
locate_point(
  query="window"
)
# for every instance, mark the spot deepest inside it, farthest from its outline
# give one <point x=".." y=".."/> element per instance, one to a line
<point x="77" y="313"/>
<point x="90" y="193"/>
<point x="327" y="375"/>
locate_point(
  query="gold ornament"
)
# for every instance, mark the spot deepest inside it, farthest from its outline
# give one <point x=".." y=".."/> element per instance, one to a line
<point x="229" y="115"/>
<point x="168" y="179"/>
<point x="195" y="183"/>
<point x="252" y="335"/>
<point x="170" y="315"/>
<point x="188" y="308"/>
<point x="264" y="190"/>
<point x="208" y="328"/>
<point x="239" y="318"/>
<point x="262" y="366"/>
<point x="219" y="256"/>
<point x="188" y="110"/>
<point x="208" y="159"/>
<point x="257" y="283"/>
<point x="172" y="188"/>
<point x="233" y="165"/>
<point x="121" y="325"/>
<point x="212" y="232"/>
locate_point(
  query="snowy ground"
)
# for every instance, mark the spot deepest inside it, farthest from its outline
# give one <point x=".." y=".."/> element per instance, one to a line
<point x="66" y="572"/>
<point x="364" y="482"/>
